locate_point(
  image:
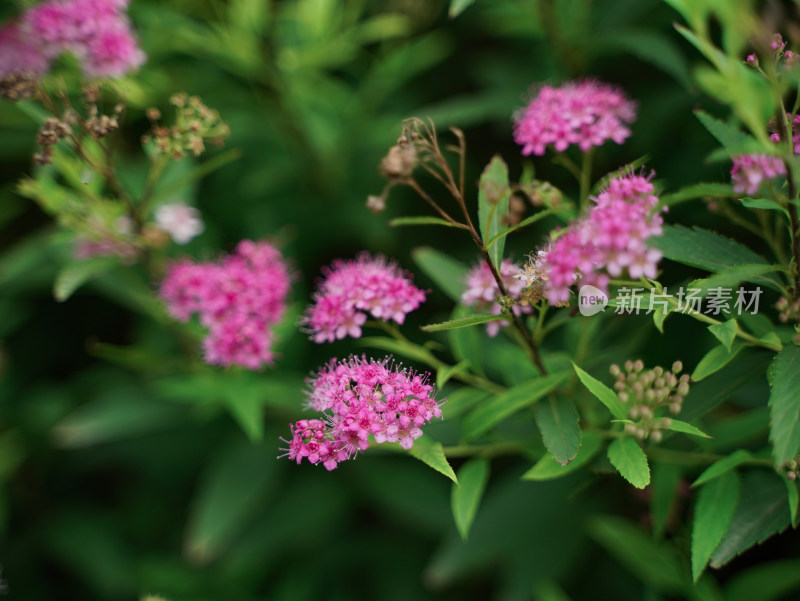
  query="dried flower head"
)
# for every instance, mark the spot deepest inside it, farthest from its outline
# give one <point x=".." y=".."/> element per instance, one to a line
<point x="195" y="125"/>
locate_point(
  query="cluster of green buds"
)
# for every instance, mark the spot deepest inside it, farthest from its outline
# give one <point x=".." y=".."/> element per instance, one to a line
<point x="793" y="469"/>
<point x="195" y="125"/>
<point x="647" y="393"/>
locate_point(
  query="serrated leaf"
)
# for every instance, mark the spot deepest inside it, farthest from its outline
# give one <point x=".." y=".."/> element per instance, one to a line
<point x="663" y="489"/>
<point x="445" y="271"/>
<point x="713" y="511"/>
<point x="725" y="332"/>
<point x="765" y="582"/>
<point x="734" y="140"/>
<point x="731" y="277"/>
<point x="765" y="204"/>
<point x="714" y="360"/>
<point x="462" y="322"/>
<point x="558" y="422"/>
<point x="466" y="496"/>
<point x="784" y="405"/>
<point x="458" y="6"/>
<point x="693" y="191"/>
<point x="505" y="404"/>
<point x="723" y="466"/>
<point x="761" y="512"/>
<point x="494" y="193"/>
<point x="629" y="459"/>
<point x="422" y="220"/>
<point x="75" y="275"/>
<point x="431" y="453"/>
<point x="679" y="426"/>
<point x="606" y="396"/>
<point x="548" y="468"/>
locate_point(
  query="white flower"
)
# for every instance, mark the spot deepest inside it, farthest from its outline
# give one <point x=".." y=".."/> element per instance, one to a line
<point x="180" y="221"/>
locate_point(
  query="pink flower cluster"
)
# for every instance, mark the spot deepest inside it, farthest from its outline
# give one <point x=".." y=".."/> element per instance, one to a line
<point x="97" y="32"/>
<point x="360" y="398"/>
<point x="587" y="113"/>
<point x="482" y="291"/>
<point x="351" y="290"/>
<point x="238" y="299"/>
<point x="795" y="123"/>
<point x="611" y="237"/>
<point x="750" y="170"/>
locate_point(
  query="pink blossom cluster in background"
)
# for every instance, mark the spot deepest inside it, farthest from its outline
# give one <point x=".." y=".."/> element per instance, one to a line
<point x="587" y="113"/>
<point x="750" y="170"/>
<point x="609" y="240"/>
<point x="238" y="299"/>
<point x="352" y="290"/>
<point x="360" y="398"/>
<point x="97" y="32"/>
<point x="482" y="291"/>
<point x="795" y="123"/>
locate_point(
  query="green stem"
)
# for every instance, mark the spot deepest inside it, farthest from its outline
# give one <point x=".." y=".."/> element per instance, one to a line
<point x="586" y="177"/>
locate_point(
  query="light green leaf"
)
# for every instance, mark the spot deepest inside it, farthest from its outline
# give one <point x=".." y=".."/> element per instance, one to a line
<point x="714" y="360"/>
<point x="730" y="278"/>
<point x="75" y="275"/>
<point x="548" y="468"/>
<point x="784" y="405"/>
<point x="660" y="314"/>
<point x="445" y="271"/>
<point x="679" y="426"/>
<point x="430" y="452"/>
<point x="723" y="466"/>
<point x="558" y="420"/>
<point x="400" y="221"/>
<point x="548" y="590"/>
<point x="765" y="582"/>
<point x="524" y="223"/>
<point x="444" y="373"/>
<point x="509" y="402"/>
<point x="761" y="512"/>
<point x="712" y="515"/>
<point x="462" y="400"/>
<point x="459" y="6"/>
<point x="403" y="348"/>
<point x="462" y="322"/>
<point x="466" y="496"/>
<point x="734" y="140"/>
<point x="725" y="332"/>
<point x="606" y="396"/>
<point x="627" y="456"/>
<point x="494" y="193"/>
<point x="701" y="190"/>
<point x="766" y="204"/>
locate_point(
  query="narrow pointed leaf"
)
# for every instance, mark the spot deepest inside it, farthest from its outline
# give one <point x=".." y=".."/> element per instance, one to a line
<point x="723" y="466"/>
<point x="714" y="360"/>
<point x="446" y="272"/>
<point x="466" y="496"/>
<point x="713" y="511"/>
<point x="679" y="426"/>
<point x="75" y="275"/>
<point x="725" y="332"/>
<point x="430" y="452"/>
<point x="606" y="396"/>
<point x="463" y="322"/>
<point x="494" y="193"/>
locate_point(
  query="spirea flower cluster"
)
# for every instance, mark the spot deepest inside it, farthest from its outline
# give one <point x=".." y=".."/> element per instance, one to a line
<point x="609" y="240"/>
<point x="775" y="136"/>
<point x="483" y="293"/>
<point x="587" y="113"/>
<point x="750" y="170"/>
<point x="97" y="32"/>
<point x="361" y="398"/>
<point x="352" y="290"/>
<point x="239" y="299"/>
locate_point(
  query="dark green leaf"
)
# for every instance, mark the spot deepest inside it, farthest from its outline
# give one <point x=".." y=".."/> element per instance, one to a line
<point x="466" y="495"/>
<point x="712" y="515"/>
<point x="463" y="322"/>
<point x="430" y="452"/>
<point x="627" y="456"/>
<point x="75" y="275"/>
<point x="445" y="271"/>
<point x="734" y="140"/>
<point x="766" y="582"/>
<point x="459" y="6"/>
<point x="725" y="332"/>
<point x="548" y="468"/>
<point x="731" y="277"/>
<point x="663" y="488"/>
<point x="794" y="501"/>
<point x="494" y="193"/>
<point x="693" y="191"/>
<point x="723" y="466"/>
<point x="785" y="405"/>
<point x="606" y="396"/>
<point x="679" y="426"/>
<point x="765" y="204"/>
<point x="558" y="422"/>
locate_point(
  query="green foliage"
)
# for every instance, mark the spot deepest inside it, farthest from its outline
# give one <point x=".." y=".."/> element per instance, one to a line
<point x="430" y="453"/>
<point x="493" y="197"/>
<point x="784" y="408"/>
<point x="629" y="459"/>
<point x="713" y="511"/>
<point x="558" y="421"/>
<point x="466" y="496"/>
<point x="603" y="393"/>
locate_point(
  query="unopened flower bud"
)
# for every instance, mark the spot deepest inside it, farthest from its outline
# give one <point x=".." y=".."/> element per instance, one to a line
<point x="624" y="396"/>
<point x="628" y="365"/>
<point x="646" y="412"/>
<point x="399" y="162"/>
<point x="675" y="408"/>
<point x="664" y="422"/>
<point x="791" y="476"/>
<point x="630" y="429"/>
<point x="683" y="388"/>
<point x="638" y="365"/>
<point x="656" y="436"/>
<point x="615" y="370"/>
<point x="633" y="412"/>
<point x="677" y="367"/>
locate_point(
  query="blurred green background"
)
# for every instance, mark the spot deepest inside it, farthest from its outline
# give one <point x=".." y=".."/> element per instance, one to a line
<point x="123" y="472"/>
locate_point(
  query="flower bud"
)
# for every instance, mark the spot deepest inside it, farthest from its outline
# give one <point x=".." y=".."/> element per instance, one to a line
<point x="638" y="365"/>
<point x="630" y="429"/>
<point x="656" y="436"/>
<point x="677" y="367"/>
<point x="615" y="370"/>
<point x="683" y="388"/>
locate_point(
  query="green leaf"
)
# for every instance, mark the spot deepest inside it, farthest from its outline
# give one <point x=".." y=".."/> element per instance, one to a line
<point x="403" y="348"/>
<point x="233" y="488"/>
<point x="663" y="489"/>
<point x="629" y="459"/>
<point x="734" y="140"/>
<point x="524" y="223"/>
<point x="509" y="402"/>
<point x="466" y="496"/>
<point x="75" y="275"/>
<point x="652" y="47"/>
<point x="606" y="396"/>
<point x="462" y="400"/>
<point x="701" y="190"/>
<point x="679" y="426"/>
<point x="730" y="278"/>
<point x="766" y="204"/>
<point x="785" y="406"/>
<point x="462" y="322"/>
<point x="794" y="501"/>
<point x="446" y="372"/>
<point x="714" y="360"/>
<point x="660" y="314"/>
<point x="761" y="512"/>
<point x="712" y="515"/>
<point x="445" y="271"/>
<point x="401" y="221"/>
<point x="652" y="562"/>
<point x="467" y="344"/>
<point x="547" y="468"/>
<point x="723" y="466"/>
<point x="459" y="6"/>
<point x="548" y="590"/>
<point x="494" y="193"/>
<point x="430" y="452"/>
<point x="765" y="582"/>
<point x="558" y="422"/>
<point x="725" y="332"/>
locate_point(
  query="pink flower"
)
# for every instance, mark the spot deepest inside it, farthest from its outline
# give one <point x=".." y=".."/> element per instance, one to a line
<point x="482" y="291"/>
<point x="352" y="290"/>
<point x="795" y="123"/>
<point x="361" y="398"/>
<point x="238" y="299"/>
<point x="587" y="113"/>
<point x="611" y="237"/>
<point x="18" y="55"/>
<point x="750" y="170"/>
